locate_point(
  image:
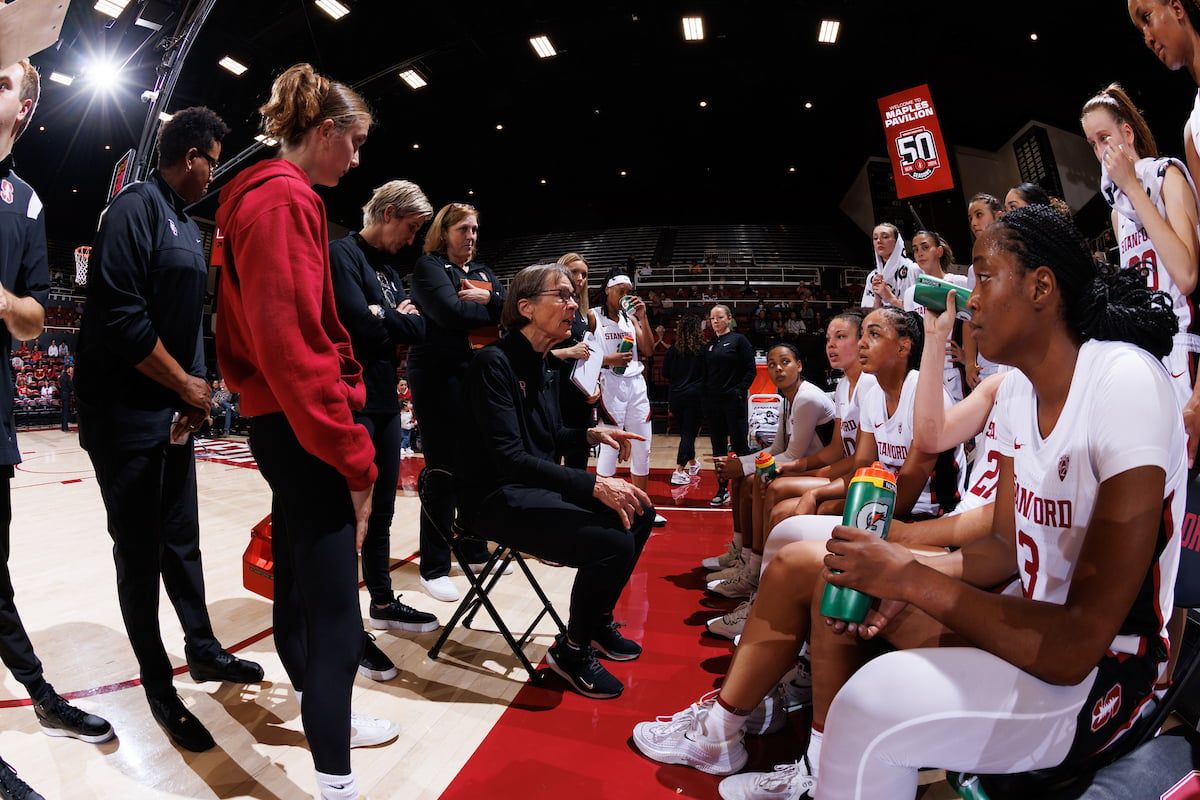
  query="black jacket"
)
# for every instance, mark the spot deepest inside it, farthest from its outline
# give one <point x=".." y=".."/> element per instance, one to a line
<point x="24" y="271"/>
<point x="727" y="367"/>
<point x="513" y="417"/>
<point x="683" y="374"/>
<point x="435" y="286"/>
<point x="146" y="283"/>
<point x="362" y="277"/>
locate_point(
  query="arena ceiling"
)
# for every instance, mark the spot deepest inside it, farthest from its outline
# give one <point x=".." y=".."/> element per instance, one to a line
<point x="613" y="123"/>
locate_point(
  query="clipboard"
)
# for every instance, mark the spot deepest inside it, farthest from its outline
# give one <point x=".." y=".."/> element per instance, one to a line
<point x="28" y="27"/>
<point x="481" y="337"/>
<point x="586" y="372"/>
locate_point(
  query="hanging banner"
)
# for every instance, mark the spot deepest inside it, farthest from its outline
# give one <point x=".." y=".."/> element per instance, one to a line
<point x="920" y="162"/>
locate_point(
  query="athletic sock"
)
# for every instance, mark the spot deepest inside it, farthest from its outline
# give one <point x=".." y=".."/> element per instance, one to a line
<point x="814" y="749"/>
<point x="337" y="787"/>
<point x="723" y="722"/>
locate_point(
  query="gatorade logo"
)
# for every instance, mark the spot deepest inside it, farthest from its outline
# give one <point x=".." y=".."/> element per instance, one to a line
<point x="871" y="517"/>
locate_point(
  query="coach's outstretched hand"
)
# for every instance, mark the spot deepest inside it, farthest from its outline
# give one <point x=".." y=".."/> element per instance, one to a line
<point x="619" y="440"/>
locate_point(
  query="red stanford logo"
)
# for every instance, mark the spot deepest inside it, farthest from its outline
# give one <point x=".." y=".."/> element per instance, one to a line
<point x="6" y="191"/>
<point x="1106" y="708"/>
<point x="1188" y="788"/>
<point x="1064" y="464"/>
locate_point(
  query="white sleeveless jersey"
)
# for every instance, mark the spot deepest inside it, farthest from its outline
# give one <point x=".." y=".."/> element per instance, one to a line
<point x="893" y="442"/>
<point x="846" y="408"/>
<point x="985" y="471"/>
<point x="1120" y="414"/>
<point x="609" y="334"/>
<point x="1136" y="247"/>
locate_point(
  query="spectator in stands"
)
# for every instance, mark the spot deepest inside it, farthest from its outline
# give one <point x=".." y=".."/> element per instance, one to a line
<point x="35" y="355"/>
<point x="407" y="423"/>
<point x="794" y="326"/>
<point x="695" y="269"/>
<point x="141" y="362"/>
<point x="447" y="286"/>
<point x="667" y="302"/>
<point x="660" y="339"/>
<point x="645" y="271"/>
<point x="280" y="344"/>
<point x="577" y="409"/>
<point x="222" y="401"/>
<point x="66" y="393"/>
<point x="375" y="309"/>
<point x="685" y="394"/>
<point x="63" y="349"/>
<point x="727" y="369"/>
<point x="17" y="363"/>
<point x="402" y="390"/>
<point x="52" y="350"/>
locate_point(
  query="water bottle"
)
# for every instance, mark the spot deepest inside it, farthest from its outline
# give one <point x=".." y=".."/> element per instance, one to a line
<point x="870" y="501"/>
<point x="764" y="466"/>
<point x="627" y="305"/>
<point x="967" y="786"/>
<point x="625" y="346"/>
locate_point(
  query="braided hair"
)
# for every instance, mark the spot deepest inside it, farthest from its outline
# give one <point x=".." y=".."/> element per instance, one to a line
<point x="1099" y="301"/>
<point x="909" y="326"/>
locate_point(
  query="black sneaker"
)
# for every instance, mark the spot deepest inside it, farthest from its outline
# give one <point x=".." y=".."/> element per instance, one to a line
<point x="180" y="724"/>
<point x="613" y="646"/>
<point x="12" y="787"/>
<point x="225" y="667"/>
<point x="720" y="498"/>
<point x="578" y="666"/>
<point x="397" y="616"/>
<point x="374" y="663"/>
<point x="59" y="718"/>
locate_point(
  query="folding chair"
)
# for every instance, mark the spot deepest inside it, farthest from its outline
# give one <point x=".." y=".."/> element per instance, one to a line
<point x="482" y="584"/>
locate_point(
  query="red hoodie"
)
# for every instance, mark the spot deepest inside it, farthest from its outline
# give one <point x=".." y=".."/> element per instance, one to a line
<point x="279" y="341"/>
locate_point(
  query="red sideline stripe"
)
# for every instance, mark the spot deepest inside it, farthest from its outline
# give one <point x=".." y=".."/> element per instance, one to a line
<point x="129" y="684"/>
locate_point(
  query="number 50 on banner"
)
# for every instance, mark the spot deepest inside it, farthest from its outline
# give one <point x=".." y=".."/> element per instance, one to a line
<point x="918" y="154"/>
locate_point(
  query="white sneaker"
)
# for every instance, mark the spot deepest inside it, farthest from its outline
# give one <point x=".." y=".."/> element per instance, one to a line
<point x="680" y="477"/>
<point x="744" y="584"/>
<point x="682" y="739"/>
<point x="728" y="572"/>
<point x="367" y="731"/>
<point x="769" y="716"/>
<point x="788" y="782"/>
<point x="797" y="685"/>
<point x="477" y="568"/>
<point x="731" y="624"/>
<point x="725" y="560"/>
<point x="694" y="469"/>
<point x="659" y="520"/>
<point x="441" y="589"/>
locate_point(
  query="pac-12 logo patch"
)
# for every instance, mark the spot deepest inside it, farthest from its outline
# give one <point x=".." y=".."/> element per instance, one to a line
<point x="6" y="191"/>
<point x="1064" y="464"/>
<point x="871" y="517"/>
<point x="1106" y="708"/>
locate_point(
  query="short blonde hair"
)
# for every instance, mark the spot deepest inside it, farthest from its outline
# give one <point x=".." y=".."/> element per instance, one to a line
<point x="31" y="89"/>
<point x="449" y="216"/>
<point x="405" y="196"/>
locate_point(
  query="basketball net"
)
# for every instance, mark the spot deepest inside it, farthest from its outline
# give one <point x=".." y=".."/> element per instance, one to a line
<point x="82" y="254"/>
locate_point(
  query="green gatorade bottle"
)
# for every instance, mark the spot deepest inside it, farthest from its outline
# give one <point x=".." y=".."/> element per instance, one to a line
<point x="869" y="504"/>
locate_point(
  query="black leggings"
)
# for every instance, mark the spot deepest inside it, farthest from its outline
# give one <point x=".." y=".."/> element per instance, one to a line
<point x="384" y="430"/>
<point x="728" y="425"/>
<point x="16" y="651"/>
<point x="687" y="416"/>
<point x="316" y="591"/>
<point x="590" y="537"/>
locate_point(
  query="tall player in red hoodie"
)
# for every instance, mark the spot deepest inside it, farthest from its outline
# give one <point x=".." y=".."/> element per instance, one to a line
<point x="280" y="344"/>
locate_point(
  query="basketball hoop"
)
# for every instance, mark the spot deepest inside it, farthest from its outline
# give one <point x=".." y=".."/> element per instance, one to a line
<point x="82" y="254"/>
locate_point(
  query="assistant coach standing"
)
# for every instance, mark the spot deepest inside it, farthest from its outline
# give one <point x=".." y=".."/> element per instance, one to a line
<point x="140" y="360"/>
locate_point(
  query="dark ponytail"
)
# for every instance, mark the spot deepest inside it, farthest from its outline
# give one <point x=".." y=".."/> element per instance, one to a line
<point x="908" y="325"/>
<point x="1099" y="301"/>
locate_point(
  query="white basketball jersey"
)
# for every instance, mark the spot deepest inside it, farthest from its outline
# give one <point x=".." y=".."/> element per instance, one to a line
<point x="809" y="403"/>
<point x="609" y="334"/>
<point x="893" y="441"/>
<point x="985" y="471"/>
<point x="846" y="408"/>
<point x="1120" y="414"/>
<point x="1136" y="247"/>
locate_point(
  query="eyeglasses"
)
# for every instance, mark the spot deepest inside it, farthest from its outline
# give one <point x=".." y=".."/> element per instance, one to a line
<point x="564" y="295"/>
<point x="212" y="162"/>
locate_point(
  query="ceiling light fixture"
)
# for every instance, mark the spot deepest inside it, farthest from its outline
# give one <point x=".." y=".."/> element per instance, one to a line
<point x="830" y="28"/>
<point x="111" y="8"/>
<point x="1033" y="37"/>
<point x="333" y="8"/>
<point x="269" y="141"/>
<point x="808" y="104"/>
<point x="704" y="104"/>
<point x="543" y="181"/>
<point x="416" y="146"/>
<point x="693" y="29"/>
<point x="413" y="78"/>
<point x="234" y="66"/>
<point x="65" y="80"/>
<point x="541" y="45"/>
<point x="499" y="126"/>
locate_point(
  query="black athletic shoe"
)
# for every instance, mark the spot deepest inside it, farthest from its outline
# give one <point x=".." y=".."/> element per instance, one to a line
<point x="374" y="663"/>
<point x="613" y="646"/>
<point x="578" y="666"/>
<point x="12" y="787"/>
<point x="720" y="498"/>
<point x="180" y="724"/>
<point x="225" y="667"/>
<point x="397" y="616"/>
<point x="59" y="718"/>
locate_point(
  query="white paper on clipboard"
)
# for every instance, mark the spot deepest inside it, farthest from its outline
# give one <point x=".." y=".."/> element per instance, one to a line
<point x="28" y="27"/>
<point x="586" y="372"/>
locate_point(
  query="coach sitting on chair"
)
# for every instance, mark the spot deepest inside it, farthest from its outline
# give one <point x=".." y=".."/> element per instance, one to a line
<point x="515" y="492"/>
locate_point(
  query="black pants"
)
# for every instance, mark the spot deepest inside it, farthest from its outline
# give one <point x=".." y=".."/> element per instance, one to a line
<point x="576" y="413"/>
<point x="316" y="586"/>
<point x="591" y="538"/>
<point x="687" y="414"/>
<point x="150" y="497"/>
<point x="384" y="430"/>
<point x="15" y="648"/>
<point x="66" y="412"/>
<point x="440" y="406"/>
<point x="728" y="425"/>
